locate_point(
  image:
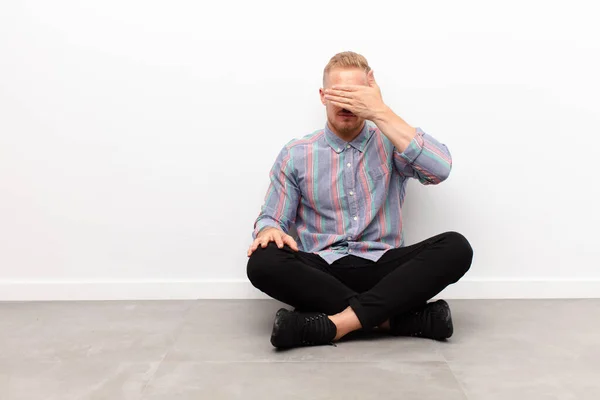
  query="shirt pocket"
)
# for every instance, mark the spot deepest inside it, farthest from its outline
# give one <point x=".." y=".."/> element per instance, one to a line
<point x="379" y="172"/>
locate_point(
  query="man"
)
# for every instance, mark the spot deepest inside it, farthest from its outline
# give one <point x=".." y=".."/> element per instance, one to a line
<point x="343" y="187"/>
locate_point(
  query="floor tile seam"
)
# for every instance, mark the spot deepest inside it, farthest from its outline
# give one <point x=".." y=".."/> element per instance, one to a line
<point x="458" y="382"/>
<point x="170" y="346"/>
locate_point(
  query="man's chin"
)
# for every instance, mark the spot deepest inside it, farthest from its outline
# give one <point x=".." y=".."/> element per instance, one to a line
<point x="345" y="128"/>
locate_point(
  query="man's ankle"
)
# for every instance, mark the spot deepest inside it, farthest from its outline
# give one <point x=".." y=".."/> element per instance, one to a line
<point x="345" y="322"/>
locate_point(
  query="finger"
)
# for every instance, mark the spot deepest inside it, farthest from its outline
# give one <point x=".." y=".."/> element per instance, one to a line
<point x="279" y="241"/>
<point x="291" y="242"/>
<point x="338" y="99"/>
<point x="341" y="105"/>
<point x="264" y="242"/>
<point x="340" y="93"/>
<point x="252" y="247"/>
<point x="346" y="88"/>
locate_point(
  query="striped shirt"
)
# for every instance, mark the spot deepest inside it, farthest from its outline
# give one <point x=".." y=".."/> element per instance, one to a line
<point x="346" y="197"/>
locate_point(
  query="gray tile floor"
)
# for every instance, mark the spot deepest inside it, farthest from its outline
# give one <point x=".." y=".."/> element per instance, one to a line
<point x="219" y="349"/>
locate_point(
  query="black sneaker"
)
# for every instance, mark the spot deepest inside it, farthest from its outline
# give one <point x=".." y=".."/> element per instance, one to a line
<point x="294" y="329"/>
<point x="432" y="321"/>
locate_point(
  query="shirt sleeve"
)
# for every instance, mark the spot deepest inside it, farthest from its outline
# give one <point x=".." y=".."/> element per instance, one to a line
<point x="282" y="198"/>
<point x="425" y="159"/>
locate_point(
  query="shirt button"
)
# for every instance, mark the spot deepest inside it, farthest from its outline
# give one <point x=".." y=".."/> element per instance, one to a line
<point x="355" y="217"/>
<point x="339" y="149"/>
<point x="349" y="164"/>
<point x="351" y="193"/>
<point x="349" y="250"/>
<point x="348" y="146"/>
<point x="349" y="238"/>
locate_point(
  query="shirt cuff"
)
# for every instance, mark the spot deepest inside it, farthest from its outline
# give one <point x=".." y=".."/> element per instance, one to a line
<point x="414" y="149"/>
<point x="262" y="224"/>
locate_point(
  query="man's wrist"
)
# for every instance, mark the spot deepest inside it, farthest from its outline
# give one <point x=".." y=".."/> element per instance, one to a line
<point x="266" y="228"/>
<point x="383" y="115"/>
<point x="395" y="128"/>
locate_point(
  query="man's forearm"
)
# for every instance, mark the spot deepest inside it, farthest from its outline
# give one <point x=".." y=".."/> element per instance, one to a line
<point x="410" y="143"/>
<point x="395" y="128"/>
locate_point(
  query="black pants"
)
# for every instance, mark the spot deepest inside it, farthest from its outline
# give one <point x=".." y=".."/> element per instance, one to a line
<point x="403" y="278"/>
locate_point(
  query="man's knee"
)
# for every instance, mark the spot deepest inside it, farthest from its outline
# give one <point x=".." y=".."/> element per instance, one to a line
<point x="461" y="252"/>
<point x="261" y="263"/>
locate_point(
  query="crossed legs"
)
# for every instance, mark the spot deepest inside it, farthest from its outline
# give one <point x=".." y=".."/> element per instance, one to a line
<point x="362" y="295"/>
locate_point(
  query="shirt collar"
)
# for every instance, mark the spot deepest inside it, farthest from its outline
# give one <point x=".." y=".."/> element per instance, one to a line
<point x="338" y="144"/>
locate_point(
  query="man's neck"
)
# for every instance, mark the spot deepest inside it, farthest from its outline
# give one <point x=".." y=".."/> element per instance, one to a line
<point x="348" y="137"/>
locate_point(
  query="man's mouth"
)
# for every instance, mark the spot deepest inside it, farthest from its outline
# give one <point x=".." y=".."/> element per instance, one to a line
<point x="346" y="113"/>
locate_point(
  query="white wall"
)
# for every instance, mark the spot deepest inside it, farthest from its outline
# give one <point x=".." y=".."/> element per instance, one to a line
<point x="136" y="136"/>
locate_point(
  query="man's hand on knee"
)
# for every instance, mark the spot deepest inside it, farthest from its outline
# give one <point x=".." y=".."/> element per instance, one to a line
<point x="272" y="235"/>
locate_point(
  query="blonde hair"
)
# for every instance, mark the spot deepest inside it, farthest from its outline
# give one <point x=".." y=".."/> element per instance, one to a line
<point x="346" y="59"/>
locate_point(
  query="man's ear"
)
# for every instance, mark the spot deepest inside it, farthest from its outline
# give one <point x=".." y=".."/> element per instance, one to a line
<point x="322" y="95"/>
<point x="371" y="78"/>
